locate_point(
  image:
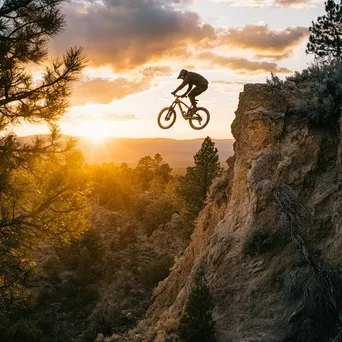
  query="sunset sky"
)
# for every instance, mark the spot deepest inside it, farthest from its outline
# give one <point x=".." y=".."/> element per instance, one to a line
<point x="137" y="47"/>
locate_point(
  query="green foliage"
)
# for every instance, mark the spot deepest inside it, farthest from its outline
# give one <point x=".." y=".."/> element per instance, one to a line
<point x="121" y="188"/>
<point x="314" y="94"/>
<point x="274" y="81"/>
<point x="258" y="241"/>
<point x="207" y="166"/>
<point x="158" y="212"/>
<point x="157" y="271"/>
<point x="113" y="267"/>
<point x="190" y="191"/>
<point x="21" y="331"/>
<point x="68" y="290"/>
<point x="113" y="186"/>
<point x="42" y="191"/>
<point x="152" y="171"/>
<point x="196" y="324"/>
<point x="325" y="40"/>
<point x="323" y="83"/>
<point x="47" y="201"/>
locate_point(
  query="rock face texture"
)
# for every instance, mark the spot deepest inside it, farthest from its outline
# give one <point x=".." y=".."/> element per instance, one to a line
<point x="250" y="294"/>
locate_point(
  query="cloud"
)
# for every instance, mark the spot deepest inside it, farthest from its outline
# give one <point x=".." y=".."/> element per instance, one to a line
<point x="98" y="90"/>
<point x="129" y="33"/>
<point x="242" y="65"/>
<point x="242" y="3"/>
<point x="228" y="83"/>
<point x="228" y="87"/>
<point x="271" y="3"/>
<point x="105" y="117"/>
<point x="265" y="42"/>
<point x="275" y="56"/>
<point x="294" y="3"/>
<point x="117" y="117"/>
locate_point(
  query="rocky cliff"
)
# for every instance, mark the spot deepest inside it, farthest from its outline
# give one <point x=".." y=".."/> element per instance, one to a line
<point x="255" y="295"/>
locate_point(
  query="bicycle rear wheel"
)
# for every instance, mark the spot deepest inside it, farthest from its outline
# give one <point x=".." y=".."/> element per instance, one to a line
<point x="200" y="118"/>
<point x="166" y="118"/>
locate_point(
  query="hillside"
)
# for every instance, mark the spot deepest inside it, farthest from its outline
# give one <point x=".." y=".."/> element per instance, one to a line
<point x="271" y="252"/>
<point x="178" y="153"/>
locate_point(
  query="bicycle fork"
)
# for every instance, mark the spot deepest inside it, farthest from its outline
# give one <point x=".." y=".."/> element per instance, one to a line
<point x="168" y="116"/>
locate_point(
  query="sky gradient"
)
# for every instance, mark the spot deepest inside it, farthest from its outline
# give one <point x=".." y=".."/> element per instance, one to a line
<point x="137" y="47"/>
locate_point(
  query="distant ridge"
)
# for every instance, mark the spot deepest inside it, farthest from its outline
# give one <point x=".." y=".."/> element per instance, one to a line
<point x="178" y="153"/>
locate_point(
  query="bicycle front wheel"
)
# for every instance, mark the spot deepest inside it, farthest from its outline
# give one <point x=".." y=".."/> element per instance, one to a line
<point x="200" y="118"/>
<point x="166" y="118"/>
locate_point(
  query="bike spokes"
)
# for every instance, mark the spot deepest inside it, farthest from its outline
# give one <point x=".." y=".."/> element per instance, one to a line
<point x="200" y="118"/>
<point x="166" y="118"/>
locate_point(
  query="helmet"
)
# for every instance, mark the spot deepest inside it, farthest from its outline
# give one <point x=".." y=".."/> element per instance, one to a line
<point x="183" y="72"/>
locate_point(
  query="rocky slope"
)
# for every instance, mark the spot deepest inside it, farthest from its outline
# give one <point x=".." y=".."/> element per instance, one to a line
<point x="254" y="296"/>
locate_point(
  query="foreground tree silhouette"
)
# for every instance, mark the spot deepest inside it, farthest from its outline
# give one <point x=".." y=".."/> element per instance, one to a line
<point x="325" y="40"/>
<point x="41" y="189"/>
<point x="196" y="324"/>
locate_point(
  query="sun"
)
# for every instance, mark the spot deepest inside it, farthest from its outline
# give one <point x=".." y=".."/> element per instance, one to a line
<point x="95" y="130"/>
<point x="96" y="136"/>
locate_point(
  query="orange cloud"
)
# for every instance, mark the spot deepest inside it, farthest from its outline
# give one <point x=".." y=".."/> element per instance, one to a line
<point x="131" y="33"/>
<point x="270" y="3"/>
<point x="265" y="42"/>
<point x="105" y="117"/>
<point x="103" y="91"/>
<point x="242" y="65"/>
<point x="292" y="3"/>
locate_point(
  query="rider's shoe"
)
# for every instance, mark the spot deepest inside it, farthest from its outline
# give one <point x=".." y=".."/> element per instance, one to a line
<point x="190" y="112"/>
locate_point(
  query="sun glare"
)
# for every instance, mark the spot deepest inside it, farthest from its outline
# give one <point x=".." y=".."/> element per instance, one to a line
<point x="96" y="131"/>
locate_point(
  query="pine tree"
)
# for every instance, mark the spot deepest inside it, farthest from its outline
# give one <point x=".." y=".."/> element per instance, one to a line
<point x="192" y="189"/>
<point x="325" y="40"/>
<point x="196" y="324"/>
<point x="41" y="189"/>
<point x="207" y="166"/>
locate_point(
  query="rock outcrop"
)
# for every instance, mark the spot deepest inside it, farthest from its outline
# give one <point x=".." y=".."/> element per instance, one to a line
<point x="250" y="293"/>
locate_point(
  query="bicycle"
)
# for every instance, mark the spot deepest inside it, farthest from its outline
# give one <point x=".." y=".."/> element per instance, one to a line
<point x="197" y="120"/>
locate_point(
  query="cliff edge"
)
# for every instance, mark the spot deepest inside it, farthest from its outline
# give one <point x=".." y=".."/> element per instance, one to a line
<point x="255" y="294"/>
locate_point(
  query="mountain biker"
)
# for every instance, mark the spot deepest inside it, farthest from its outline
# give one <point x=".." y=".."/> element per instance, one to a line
<point x="192" y="79"/>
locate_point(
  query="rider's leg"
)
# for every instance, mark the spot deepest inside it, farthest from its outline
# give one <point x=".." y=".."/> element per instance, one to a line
<point x="195" y="92"/>
<point x="193" y="101"/>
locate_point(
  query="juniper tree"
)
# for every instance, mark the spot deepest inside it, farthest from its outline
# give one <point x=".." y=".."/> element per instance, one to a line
<point x="196" y="324"/>
<point x="325" y="40"/>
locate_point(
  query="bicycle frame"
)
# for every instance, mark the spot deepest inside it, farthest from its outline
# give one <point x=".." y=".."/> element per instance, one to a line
<point x="180" y="103"/>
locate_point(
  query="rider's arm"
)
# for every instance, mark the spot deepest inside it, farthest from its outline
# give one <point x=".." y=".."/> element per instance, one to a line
<point x="184" y="83"/>
<point x="181" y="86"/>
<point x="189" y="89"/>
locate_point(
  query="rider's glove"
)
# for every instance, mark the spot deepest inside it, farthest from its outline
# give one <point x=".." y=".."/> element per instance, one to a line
<point x="184" y="95"/>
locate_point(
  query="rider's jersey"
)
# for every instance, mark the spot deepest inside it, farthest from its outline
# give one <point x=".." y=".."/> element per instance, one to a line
<point x="193" y="78"/>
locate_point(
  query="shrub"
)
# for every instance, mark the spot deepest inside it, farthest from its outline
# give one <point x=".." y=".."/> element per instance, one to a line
<point x="218" y="189"/>
<point x="158" y="270"/>
<point x="274" y="81"/>
<point x="157" y="213"/>
<point x="258" y="241"/>
<point x="22" y="331"/>
<point x="317" y="94"/>
<point x="196" y="324"/>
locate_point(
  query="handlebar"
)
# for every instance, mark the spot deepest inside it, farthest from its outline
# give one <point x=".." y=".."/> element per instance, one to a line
<point x="175" y="95"/>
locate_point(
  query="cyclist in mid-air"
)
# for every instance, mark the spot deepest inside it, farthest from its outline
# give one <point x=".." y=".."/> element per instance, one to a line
<point x="192" y="79"/>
